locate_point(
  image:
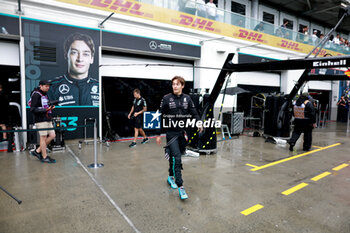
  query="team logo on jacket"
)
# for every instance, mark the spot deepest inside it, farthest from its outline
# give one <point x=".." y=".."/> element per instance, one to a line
<point x="94" y="89"/>
<point x="63" y="89"/>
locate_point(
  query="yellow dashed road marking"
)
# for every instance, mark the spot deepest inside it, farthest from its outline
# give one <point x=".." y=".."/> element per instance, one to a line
<point x="294" y="189"/>
<point x="252" y="209"/>
<point x="320" y="176"/>
<point x="340" y="167"/>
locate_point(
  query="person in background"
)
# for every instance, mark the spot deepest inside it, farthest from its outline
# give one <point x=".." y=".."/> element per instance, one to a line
<point x="304" y="121"/>
<point x="211" y="10"/>
<point x="336" y="40"/>
<point x="42" y="114"/>
<point x="188" y="6"/>
<point x="201" y="9"/>
<point x="259" y="27"/>
<point x="281" y="31"/>
<point x="285" y="23"/>
<point x="4" y="116"/>
<point x="303" y="35"/>
<point x="342" y="109"/>
<point x="314" y="37"/>
<point x="136" y="113"/>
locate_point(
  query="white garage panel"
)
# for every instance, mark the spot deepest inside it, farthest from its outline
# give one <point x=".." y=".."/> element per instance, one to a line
<point x="258" y="79"/>
<point x="142" y="71"/>
<point x="320" y="85"/>
<point x="9" y="53"/>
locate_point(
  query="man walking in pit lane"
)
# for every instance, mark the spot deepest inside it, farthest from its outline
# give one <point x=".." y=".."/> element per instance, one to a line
<point x="42" y="111"/>
<point x="136" y="114"/>
<point x="176" y="107"/>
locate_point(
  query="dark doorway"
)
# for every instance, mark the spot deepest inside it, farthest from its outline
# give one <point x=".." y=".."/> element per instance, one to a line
<point x="244" y="101"/>
<point x="119" y="98"/>
<point x="11" y="82"/>
<point x="323" y="98"/>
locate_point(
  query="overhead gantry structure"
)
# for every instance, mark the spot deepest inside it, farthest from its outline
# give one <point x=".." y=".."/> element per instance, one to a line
<point x="206" y="141"/>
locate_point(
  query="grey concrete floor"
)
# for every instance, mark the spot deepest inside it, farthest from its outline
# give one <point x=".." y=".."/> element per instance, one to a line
<point x="130" y="193"/>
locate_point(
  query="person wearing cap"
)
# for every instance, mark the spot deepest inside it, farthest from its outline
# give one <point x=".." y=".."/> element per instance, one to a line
<point x="304" y="121"/>
<point x="76" y="87"/>
<point x="314" y="37"/>
<point x="42" y="111"/>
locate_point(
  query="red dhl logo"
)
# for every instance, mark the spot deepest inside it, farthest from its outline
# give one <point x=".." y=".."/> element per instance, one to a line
<point x="250" y="35"/>
<point x="290" y="45"/>
<point x="118" y="5"/>
<point x="196" y="22"/>
<point x="322" y="53"/>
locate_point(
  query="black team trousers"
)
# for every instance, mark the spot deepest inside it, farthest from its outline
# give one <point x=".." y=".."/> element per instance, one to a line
<point x="176" y="143"/>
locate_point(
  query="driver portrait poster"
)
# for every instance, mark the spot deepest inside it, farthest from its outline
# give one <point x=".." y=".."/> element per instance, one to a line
<point x="68" y="57"/>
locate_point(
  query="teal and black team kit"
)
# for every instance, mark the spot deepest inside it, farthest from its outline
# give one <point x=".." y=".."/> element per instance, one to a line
<point x="176" y="108"/>
<point x="138" y="104"/>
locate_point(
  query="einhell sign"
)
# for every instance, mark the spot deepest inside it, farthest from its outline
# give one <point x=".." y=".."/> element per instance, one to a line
<point x="339" y="63"/>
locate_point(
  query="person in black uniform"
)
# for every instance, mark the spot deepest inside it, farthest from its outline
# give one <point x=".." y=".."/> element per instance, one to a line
<point x="42" y="115"/>
<point x="136" y="113"/>
<point x="76" y="87"/>
<point x="4" y="117"/>
<point x="176" y="107"/>
<point x="342" y="109"/>
<point x="304" y="122"/>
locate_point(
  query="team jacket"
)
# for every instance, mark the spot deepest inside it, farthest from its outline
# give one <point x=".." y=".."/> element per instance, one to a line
<point x="39" y="104"/>
<point x="304" y="112"/>
<point x="70" y="91"/>
<point x="139" y="104"/>
<point x="177" y="108"/>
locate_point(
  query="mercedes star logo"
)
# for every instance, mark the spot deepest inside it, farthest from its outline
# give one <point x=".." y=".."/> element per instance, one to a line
<point x="63" y="88"/>
<point x="153" y="45"/>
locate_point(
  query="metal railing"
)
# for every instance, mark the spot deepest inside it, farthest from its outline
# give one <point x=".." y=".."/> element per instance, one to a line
<point x="224" y="16"/>
<point x="16" y="132"/>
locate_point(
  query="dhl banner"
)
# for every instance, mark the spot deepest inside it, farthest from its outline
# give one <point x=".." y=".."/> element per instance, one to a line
<point x="163" y="15"/>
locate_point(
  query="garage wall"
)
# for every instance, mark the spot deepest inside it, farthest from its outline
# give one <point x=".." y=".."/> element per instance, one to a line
<point x="143" y="71"/>
<point x="9" y="54"/>
<point x="258" y="79"/>
<point x="320" y="85"/>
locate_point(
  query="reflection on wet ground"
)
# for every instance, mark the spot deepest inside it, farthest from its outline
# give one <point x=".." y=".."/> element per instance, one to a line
<point x="130" y="193"/>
